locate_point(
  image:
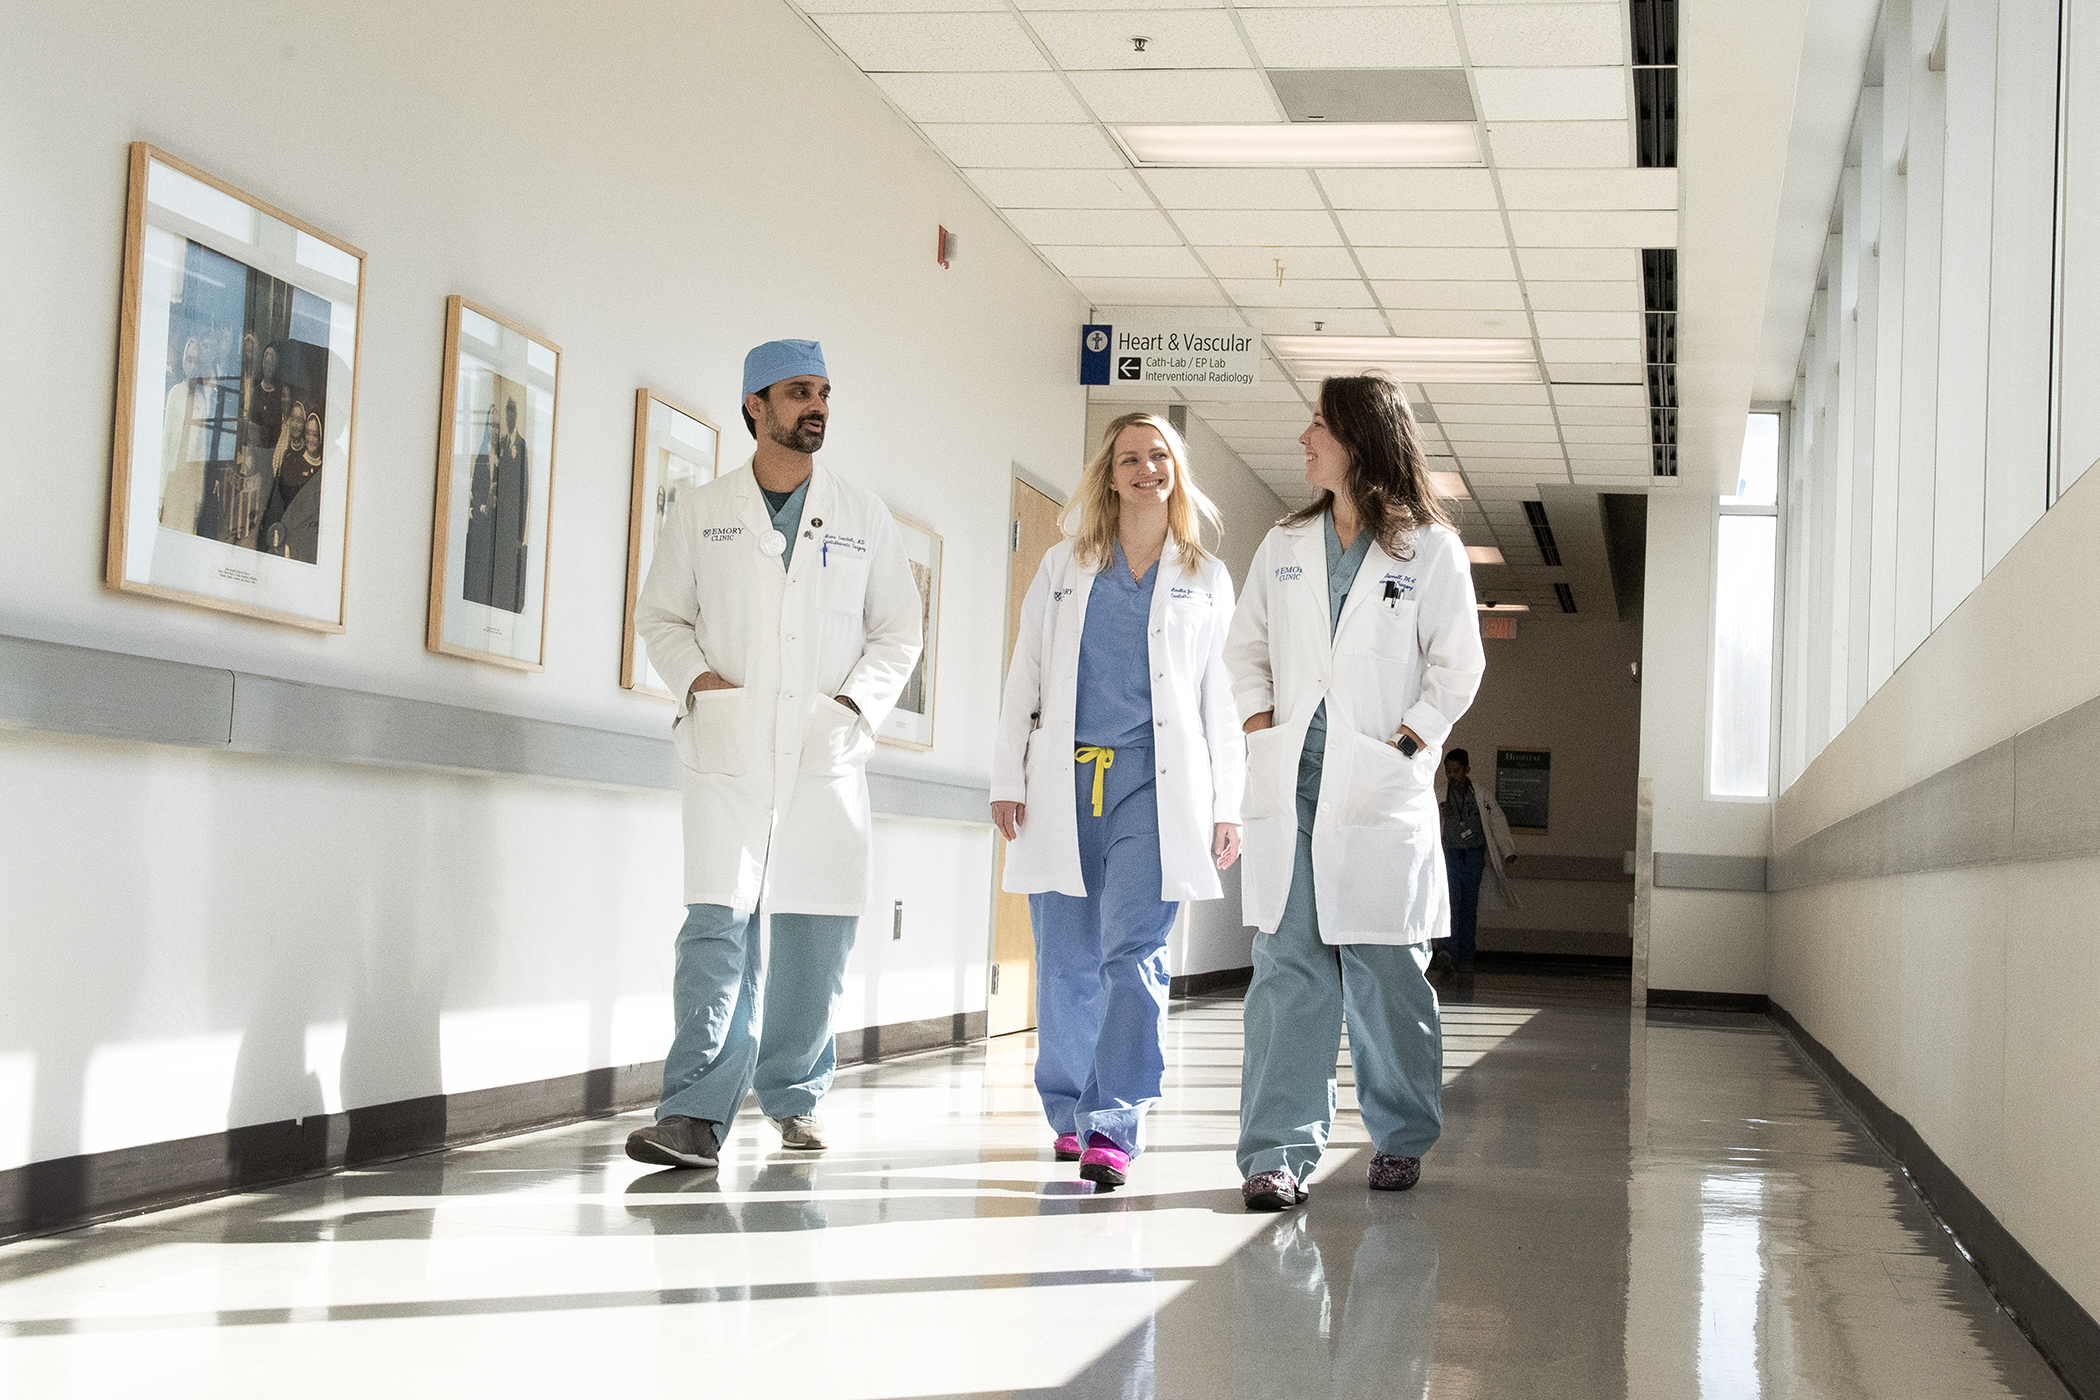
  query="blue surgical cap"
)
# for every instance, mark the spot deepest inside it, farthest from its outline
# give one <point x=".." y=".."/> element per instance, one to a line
<point x="782" y="359"/>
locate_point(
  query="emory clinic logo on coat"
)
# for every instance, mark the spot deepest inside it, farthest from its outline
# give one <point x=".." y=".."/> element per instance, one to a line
<point x="1289" y="573"/>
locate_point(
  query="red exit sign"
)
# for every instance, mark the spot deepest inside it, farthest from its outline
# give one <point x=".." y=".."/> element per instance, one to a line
<point x="1499" y="628"/>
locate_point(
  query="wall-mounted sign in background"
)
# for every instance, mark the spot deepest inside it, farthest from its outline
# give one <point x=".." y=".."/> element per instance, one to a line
<point x="1180" y="356"/>
<point x="1523" y="783"/>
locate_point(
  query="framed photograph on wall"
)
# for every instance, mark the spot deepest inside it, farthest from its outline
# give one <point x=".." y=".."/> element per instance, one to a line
<point x="236" y="401"/>
<point x="495" y="483"/>
<point x="910" y="725"/>
<point x="674" y="448"/>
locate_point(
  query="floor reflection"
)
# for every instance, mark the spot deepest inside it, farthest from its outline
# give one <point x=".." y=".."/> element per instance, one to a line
<point x="1658" y="1207"/>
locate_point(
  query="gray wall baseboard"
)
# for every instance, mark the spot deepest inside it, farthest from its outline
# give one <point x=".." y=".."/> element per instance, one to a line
<point x="2066" y="1334"/>
<point x="65" y="1193"/>
<point x="1201" y="984"/>
<point x="59" y="688"/>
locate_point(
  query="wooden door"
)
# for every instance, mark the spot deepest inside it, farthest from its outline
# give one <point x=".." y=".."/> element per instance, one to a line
<point x="1011" y="1003"/>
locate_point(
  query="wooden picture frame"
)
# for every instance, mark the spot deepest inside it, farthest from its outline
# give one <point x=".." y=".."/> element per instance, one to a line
<point x="674" y="447"/>
<point x="910" y="724"/>
<point x="492" y="530"/>
<point x="230" y="307"/>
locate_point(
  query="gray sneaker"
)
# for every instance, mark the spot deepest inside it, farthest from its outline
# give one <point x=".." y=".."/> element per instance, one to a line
<point x="675" y="1141"/>
<point x="802" y="1133"/>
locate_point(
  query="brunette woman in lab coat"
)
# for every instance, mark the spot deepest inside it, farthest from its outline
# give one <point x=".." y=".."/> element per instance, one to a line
<point x="1117" y="776"/>
<point x="1355" y="648"/>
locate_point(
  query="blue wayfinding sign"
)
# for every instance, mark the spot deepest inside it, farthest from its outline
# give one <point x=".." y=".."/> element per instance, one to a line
<point x="1093" y="353"/>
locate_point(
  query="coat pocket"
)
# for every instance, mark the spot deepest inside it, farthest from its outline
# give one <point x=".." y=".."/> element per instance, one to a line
<point x="835" y="742"/>
<point x="710" y="738"/>
<point x="1272" y="774"/>
<point x="1386" y="788"/>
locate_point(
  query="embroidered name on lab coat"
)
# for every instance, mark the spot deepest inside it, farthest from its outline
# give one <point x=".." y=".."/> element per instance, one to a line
<point x="1183" y="594"/>
<point x="1403" y="584"/>
<point x="848" y="544"/>
<point x="1289" y="573"/>
<point x="721" y="534"/>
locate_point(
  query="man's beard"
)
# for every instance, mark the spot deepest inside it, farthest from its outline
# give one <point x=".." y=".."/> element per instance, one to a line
<point x="804" y="436"/>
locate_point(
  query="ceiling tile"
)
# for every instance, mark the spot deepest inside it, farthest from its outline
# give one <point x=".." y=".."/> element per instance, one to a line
<point x="1409" y="189"/>
<point x="1150" y="291"/>
<point x="1624" y="325"/>
<point x="1357" y="37"/>
<point x="1601" y="395"/>
<point x="1239" y="415"/>
<point x="1560" y="145"/>
<point x="1234" y="189"/>
<point x="1061" y="189"/>
<point x="1033" y="6"/>
<point x="1639" y="228"/>
<point x="1582" y="264"/>
<point x="1300" y="292"/>
<point x="1487" y="393"/>
<point x="1298" y="263"/>
<point x="1188" y="38"/>
<point x="1299" y="321"/>
<point x="982" y="97"/>
<point x="1590" y="189"/>
<point x="1498" y="324"/>
<point x="831" y="7"/>
<point x="1478" y="433"/>
<point x="1455" y="228"/>
<point x="1636" y="433"/>
<point x="1257" y="227"/>
<point x="1083" y="261"/>
<point x="1551" y="94"/>
<point x="1573" y="416"/>
<point x="1094" y="227"/>
<point x="1582" y="372"/>
<point x="944" y="43"/>
<point x="1438" y="263"/>
<point x="1456" y="415"/>
<point x="1585" y="296"/>
<point x="1544" y="35"/>
<point x="1568" y="351"/>
<point x="1592" y="453"/>
<point x="1059" y="147"/>
<point x="1207" y="95"/>
<point x="1450" y="296"/>
<point x="1469" y="448"/>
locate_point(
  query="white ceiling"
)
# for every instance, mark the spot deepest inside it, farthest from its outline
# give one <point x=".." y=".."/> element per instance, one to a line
<point x="1541" y="243"/>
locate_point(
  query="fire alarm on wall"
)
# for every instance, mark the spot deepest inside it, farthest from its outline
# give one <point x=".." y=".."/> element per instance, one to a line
<point x="944" y="248"/>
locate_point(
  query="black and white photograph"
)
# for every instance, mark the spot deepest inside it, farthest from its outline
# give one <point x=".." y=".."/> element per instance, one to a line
<point x="240" y="336"/>
<point x="488" y="566"/>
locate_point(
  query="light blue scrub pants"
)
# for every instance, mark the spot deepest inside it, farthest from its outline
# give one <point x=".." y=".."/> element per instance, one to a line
<point x="1101" y="964"/>
<point x="723" y="1046"/>
<point x="1295" y="1006"/>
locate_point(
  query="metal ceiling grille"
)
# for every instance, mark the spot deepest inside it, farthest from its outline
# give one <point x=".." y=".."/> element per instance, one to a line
<point x="1659" y="287"/>
<point x="1549" y="549"/>
<point x="1566" y="596"/>
<point x="1655" y="81"/>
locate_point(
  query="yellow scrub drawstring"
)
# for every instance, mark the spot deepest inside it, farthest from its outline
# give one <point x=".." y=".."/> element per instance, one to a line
<point x="1103" y="760"/>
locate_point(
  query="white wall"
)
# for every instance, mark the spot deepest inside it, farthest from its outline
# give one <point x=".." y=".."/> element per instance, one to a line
<point x="655" y="193"/>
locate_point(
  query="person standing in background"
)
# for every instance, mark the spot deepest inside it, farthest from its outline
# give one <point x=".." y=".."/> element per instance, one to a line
<point x="1476" y="840"/>
<point x="1355" y="649"/>
<point x="1117" y="777"/>
<point x="780" y="608"/>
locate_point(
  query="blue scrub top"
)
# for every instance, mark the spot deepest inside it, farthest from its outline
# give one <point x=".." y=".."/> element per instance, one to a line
<point x="1115" y="659"/>
<point x="1342" y="565"/>
<point x="786" y="511"/>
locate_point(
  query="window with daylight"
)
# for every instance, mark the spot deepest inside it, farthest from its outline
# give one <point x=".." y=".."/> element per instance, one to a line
<point x="1746" y="549"/>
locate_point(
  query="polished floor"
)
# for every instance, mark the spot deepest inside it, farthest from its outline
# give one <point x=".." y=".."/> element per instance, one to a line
<point x="1656" y="1205"/>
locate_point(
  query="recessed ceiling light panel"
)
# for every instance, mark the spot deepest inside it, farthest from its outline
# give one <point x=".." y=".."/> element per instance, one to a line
<point x="1400" y="347"/>
<point x="1304" y="144"/>
<point x="1426" y="372"/>
<point x="1483" y="554"/>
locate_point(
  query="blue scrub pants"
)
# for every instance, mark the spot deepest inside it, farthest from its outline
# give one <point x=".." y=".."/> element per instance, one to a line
<point x="1302" y="989"/>
<point x="1462" y="870"/>
<point x="722" y="1046"/>
<point x="1101" y="964"/>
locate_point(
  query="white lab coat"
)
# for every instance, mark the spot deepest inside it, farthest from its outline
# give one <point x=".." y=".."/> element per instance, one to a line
<point x="776" y="796"/>
<point x="1407" y="652"/>
<point x="1500" y="844"/>
<point x="1197" y="753"/>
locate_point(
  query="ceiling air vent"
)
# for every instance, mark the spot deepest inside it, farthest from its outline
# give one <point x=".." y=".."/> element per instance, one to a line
<point x="1659" y="288"/>
<point x="1655" y="81"/>
<point x="1535" y="512"/>
<point x="1374" y="94"/>
<point x="1566" y="596"/>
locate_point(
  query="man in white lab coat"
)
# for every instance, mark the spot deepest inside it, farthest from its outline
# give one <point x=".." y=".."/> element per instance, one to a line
<point x="781" y="608"/>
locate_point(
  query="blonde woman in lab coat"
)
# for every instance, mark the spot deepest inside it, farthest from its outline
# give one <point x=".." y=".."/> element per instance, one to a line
<point x="1355" y="648"/>
<point x="1117" y="776"/>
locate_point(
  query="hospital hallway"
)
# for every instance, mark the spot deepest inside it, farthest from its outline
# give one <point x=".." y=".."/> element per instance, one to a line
<point x="1659" y="1204"/>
